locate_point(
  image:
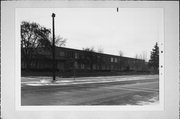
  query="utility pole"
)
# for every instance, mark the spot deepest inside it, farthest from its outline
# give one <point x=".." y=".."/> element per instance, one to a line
<point x="53" y="49"/>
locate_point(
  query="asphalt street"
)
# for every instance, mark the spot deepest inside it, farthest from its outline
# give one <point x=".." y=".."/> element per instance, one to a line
<point x="142" y="90"/>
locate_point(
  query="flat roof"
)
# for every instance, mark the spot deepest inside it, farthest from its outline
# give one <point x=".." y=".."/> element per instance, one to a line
<point x="96" y="52"/>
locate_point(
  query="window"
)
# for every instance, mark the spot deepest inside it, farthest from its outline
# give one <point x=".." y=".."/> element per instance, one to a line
<point x="76" y="55"/>
<point x="115" y="60"/>
<point x="119" y="59"/>
<point x="112" y="67"/>
<point x="60" y="65"/>
<point x="97" y="67"/>
<point x="82" y="66"/>
<point x="111" y="59"/>
<point x="103" y="67"/>
<point x="62" y="53"/>
<point x="70" y="54"/>
<point x="76" y="65"/>
<point x="94" y="67"/>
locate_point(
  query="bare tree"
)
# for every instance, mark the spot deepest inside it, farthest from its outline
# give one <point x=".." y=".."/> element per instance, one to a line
<point x="34" y="36"/>
<point x="100" y="50"/>
<point x="136" y="56"/>
<point x="89" y="49"/>
<point x="144" y="55"/>
<point x="139" y="56"/>
<point x="121" y="53"/>
<point x="59" y="41"/>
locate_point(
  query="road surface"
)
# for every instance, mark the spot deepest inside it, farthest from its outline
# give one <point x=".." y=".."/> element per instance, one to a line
<point x="143" y="90"/>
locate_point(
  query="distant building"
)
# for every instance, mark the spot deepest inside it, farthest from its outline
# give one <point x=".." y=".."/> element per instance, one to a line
<point x="70" y="60"/>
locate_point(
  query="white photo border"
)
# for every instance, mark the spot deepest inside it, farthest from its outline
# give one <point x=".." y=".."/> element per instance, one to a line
<point x="10" y="105"/>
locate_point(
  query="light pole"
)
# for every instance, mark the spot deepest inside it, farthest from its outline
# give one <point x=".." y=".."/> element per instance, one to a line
<point x="53" y="48"/>
<point x="74" y="68"/>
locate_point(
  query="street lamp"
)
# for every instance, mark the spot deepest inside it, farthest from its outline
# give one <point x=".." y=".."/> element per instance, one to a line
<point x="53" y="48"/>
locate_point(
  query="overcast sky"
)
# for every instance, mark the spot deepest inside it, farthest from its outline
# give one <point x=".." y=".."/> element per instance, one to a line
<point x="131" y="30"/>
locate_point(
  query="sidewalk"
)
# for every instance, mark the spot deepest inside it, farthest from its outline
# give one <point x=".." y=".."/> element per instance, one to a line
<point x="44" y="81"/>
